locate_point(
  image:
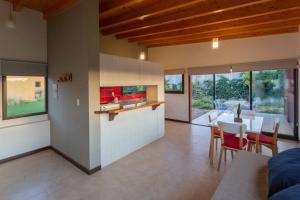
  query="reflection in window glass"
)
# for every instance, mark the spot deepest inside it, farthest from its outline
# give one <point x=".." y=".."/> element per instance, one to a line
<point x="174" y="83"/>
<point x="25" y="95"/>
<point x="273" y="98"/>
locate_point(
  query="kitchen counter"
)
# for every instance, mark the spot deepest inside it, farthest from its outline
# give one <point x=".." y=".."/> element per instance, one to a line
<point x="113" y="113"/>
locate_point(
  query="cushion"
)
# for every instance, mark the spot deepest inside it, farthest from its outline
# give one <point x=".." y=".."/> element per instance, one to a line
<point x="291" y="193"/>
<point x="233" y="141"/>
<point x="284" y="170"/>
<point x="262" y="138"/>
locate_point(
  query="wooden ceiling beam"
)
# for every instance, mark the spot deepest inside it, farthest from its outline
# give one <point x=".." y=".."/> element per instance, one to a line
<point x="244" y="12"/>
<point x="18" y="5"/>
<point x="59" y="8"/>
<point x="229" y="31"/>
<point x="107" y="5"/>
<point x="109" y="8"/>
<point x="166" y="11"/>
<point x="285" y="16"/>
<point x="233" y="35"/>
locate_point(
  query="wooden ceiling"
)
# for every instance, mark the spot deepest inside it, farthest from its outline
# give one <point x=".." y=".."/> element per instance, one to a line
<point x="169" y="22"/>
<point x="47" y="7"/>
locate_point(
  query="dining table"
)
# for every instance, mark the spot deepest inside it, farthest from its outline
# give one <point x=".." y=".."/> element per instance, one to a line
<point x="254" y="125"/>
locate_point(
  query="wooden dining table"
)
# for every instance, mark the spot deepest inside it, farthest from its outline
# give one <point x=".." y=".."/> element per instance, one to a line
<point x="253" y="123"/>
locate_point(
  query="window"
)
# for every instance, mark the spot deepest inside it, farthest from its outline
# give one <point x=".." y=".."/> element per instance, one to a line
<point x="23" y="96"/>
<point x="272" y="94"/>
<point x="233" y="89"/>
<point x="202" y="94"/>
<point x="140" y="89"/>
<point x="174" y="83"/>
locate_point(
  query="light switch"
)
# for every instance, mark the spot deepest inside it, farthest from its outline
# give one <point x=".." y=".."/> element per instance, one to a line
<point x="78" y="102"/>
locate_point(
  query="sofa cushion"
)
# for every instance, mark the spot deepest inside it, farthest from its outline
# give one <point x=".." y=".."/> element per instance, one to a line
<point x="291" y="193"/>
<point x="284" y="170"/>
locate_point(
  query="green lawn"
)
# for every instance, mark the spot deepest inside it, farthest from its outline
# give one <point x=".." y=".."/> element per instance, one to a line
<point x="26" y="108"/>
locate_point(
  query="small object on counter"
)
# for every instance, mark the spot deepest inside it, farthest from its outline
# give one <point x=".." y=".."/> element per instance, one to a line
<point x="116" y="100"/>
<point x="141" y="103"/>
<point x="109" y="106"/>
<point x="133" y="105"/>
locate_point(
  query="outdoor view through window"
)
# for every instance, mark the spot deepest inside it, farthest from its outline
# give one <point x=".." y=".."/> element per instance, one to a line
<point x="272" y="95"/>
<point x="25" y="95"/>
<point x="174" y="83"/>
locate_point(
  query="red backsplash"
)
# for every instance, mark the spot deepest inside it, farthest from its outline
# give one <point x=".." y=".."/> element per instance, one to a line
<point x="106" y="97"/>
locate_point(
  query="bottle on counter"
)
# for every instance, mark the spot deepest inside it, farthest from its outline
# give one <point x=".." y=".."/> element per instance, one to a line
<point x="116" y="100"/>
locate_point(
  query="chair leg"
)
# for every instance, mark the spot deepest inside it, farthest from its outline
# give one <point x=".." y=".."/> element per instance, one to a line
<point x="232" y="155"/>
<point x="274" y="150"/>
<point x="217" y="143"/>
<point x="225" y="154"/>
<point x="249" y="147"/>
<point x="220" y="158"/>
<point x="260" y="148"/>
<point x="211" y="148"/>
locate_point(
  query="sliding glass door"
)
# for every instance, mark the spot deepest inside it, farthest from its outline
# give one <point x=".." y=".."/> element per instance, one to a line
<point x="271" y="93"/>
<point x="273" y="97"/>
<point x="202" y="94"/>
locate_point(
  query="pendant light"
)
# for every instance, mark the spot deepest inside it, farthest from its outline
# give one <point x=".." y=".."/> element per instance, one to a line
<point x="215" y="43"/>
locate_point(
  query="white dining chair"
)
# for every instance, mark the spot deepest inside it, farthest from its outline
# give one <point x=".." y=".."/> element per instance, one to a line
<point x="231" y="142"/>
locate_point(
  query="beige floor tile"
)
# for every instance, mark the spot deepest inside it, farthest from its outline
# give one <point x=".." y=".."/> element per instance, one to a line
<point x="175" y="167"/>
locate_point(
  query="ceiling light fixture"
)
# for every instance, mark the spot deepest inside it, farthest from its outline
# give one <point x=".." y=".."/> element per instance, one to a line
<point x="11" y="20"/>
<point x="142" y="55"/>
<point x="215" y="43"/>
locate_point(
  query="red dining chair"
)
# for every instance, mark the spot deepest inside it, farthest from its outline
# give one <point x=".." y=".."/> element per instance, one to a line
<point x="267" y="141"/>
<point x="231" y="142"/>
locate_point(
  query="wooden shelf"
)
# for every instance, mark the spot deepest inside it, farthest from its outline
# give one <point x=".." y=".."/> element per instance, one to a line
<point x="113" y="113"/>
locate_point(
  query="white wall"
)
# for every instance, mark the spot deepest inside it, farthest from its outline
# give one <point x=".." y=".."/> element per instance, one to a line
<point x="177" y="105"/>
<point x="27" y="42"/>
<point x="16" y="140"/>
<point x="230" y="52"/>
<point x="73" y="46"/>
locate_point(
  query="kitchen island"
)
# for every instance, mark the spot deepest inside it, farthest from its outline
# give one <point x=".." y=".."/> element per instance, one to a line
<point x="132" y="129"/>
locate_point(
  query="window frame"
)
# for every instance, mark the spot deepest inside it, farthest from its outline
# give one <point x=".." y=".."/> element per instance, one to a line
<point x="174" y="92"/>
<point x="4" y="100"/>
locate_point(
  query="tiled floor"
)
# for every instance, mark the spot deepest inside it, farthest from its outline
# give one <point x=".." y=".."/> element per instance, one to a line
<point x="175" y="167"/>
